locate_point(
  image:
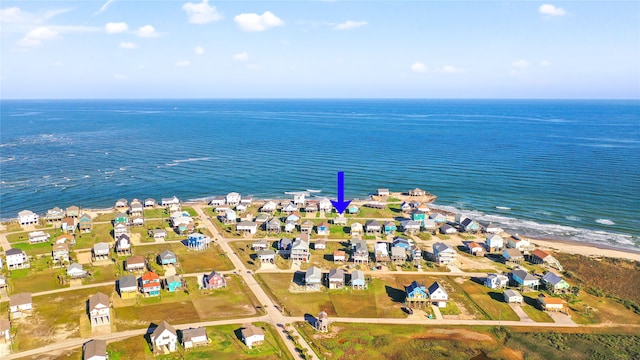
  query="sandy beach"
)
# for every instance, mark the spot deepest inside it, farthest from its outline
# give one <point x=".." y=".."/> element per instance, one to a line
<point x="572" y="247"/>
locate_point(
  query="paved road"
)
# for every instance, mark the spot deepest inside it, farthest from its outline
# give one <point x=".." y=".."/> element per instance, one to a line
<point x="521" y="314"/>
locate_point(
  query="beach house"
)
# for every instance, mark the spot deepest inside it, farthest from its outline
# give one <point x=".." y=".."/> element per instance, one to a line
<point x="76" y="271"/>
<point x="353" y="209"/>
<point x="313" y="278"/>
<point x="306" y="227"/>
<point x="383" y="192"/>
<point x="418" y="215"/>
<point x="260" y="245"/>
<point x="492" y="229"/>
<point x="411" y="226"/>
<point x="469" y="226"/>
<point x="167" y="257"/>
<point x="336" y="279"/>
<point x="373" y="227"/>
<point x="198" y="242"/>
<point x="164" y="338"/>
<point x="233" y="198"/>
<point x="55" y="214"/>
<point x="311" y="206"/>
<point x="3" y="283"/>
<point x="28" y="217"/>
<point x="475" y="248"/>
<point x="150" y="284"/>
<point x="553" y="304"/>
<point x="16" y="259"/>
<point x="339" y="220"/>
<point x="447" y="229"/>
<point x="555" y="283"/>
<point x="158" y="234"/>
<point x="444" y="254"/>
<point x="416" y="255"/>
<point x="300" y="249"/>
<point x="513" y="256"/>
<point x="94" y="350"/>
<point x="252" y="335"/>
<point x="524" y="280"/>
<point x="319" y="245"/>
<point x="172" y="283"/>
<point x="72" y="211"/>
<point x="39" y="236"/>
<point x="513" y="297"/>
<point x="273" y="226"/>
<point x="438" y="218"/>
<point x="128" y="287"/>
<point x="85" y="223"/>
<point x="390" y="227"/>
<point x="522" y="244"/>
<point x="417" y="192"/>
<point x="266" y="256"/>
<point x="289" y="208"/>
<point x="496" y="281"/>
<point x="214" y="280"/>
<point x="438" y="295"/>
<point x="542" y="257"/>
<point x="135" y="263"/>
<point x="135" y="208"/>
<point x="356" y="229"/>
<point x="398" y="255"/>
<point x="171" y="204"/>
<point x="402" y="242"/>
<point x="68" y="224"/>
<point x="322" y="322"/>
<point x="325" y="205"/>
<point x="60" y="253"/>
<point x="339" y="256"/>
<point x="123" y="245"/>
<point x="381" y="252"/>
<point x="494" y="242"/>
<point x="247" y="228"/>
<point x="416" y="292"/>
<point x="289" y="227"/>
<point x="360" y="251"/>
<point x="20" y="305"/>
<point x="121" y="203"/>
<point x="358" y="280"/>
<point x="5" y="331"/>
<point x="323" y="229"/>
<point x="149" y="202"/>
<point x="269" y="207"/>
<point x="99" y="313"/>
<point x="284" y="247"/>
<point x="194" y="337"/>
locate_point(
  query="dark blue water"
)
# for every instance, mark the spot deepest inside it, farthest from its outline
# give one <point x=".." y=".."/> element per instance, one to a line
<point x="562" y="168"/>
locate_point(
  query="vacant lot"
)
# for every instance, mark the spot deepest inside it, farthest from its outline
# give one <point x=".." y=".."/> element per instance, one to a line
<point x="491" y="302"/>
<point x="189" y="261"/>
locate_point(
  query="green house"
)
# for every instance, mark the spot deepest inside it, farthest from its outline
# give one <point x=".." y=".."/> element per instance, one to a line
<point x="173" y="283"/>
<point x="121" y="218"/>
<point x="418" y="215"/>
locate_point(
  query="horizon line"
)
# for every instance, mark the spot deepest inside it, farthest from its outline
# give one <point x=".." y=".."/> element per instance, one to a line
<point x="318" y="98"/>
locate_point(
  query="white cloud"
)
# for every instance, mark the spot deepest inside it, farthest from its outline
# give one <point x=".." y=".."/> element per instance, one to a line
<point x="183" y="63"/>
<point x="103" y="7"/>
<point x="451" y="69"/>
<point x="552" y="10"/>
<point x="255" y="22"/>
<point x="243" y="56"/>
<point x="120" y="77"/>
<point x="520" y="64"/>
<point x="147" y="31"/>
<point x="116" y="27"/>
<point x="35" y="36"/>
<point x="199" y="50"/>
<point x="16" y="15"/>
<point x="128" y="45"/>
<point x="201" y="13"/>
<point x="419" y="67"/>
<point x="545" y="63"/>
<point x="350" y="24"/>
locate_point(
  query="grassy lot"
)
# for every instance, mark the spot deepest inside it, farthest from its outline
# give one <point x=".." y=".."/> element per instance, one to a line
<point x="192" y="212"/>
<point x="56" y="317"/>
<point x="463" y="300"/>
<point x="189" y="261"/>
<point x="531" y="308"/>
<point x="371" y="213"/>
<point x="489" y="300"/>
<point x="224" y="345"/>
<point x="155" y="213"/>
<point x="590" y="309"/>
<point x="34" y="249"/>
<point x="12" y="226"/>
<point x="100" y="233"/>
<point x="383" y="298"/>
<point x="108" y="216"/>
<point x="24" y="236"/>
<point x="450" y="309"/>
<point x="246" y="254"/>
<point x="39" y="277"/>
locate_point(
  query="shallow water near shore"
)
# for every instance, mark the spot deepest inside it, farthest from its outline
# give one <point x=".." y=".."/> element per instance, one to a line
<point x="559" y="169"/>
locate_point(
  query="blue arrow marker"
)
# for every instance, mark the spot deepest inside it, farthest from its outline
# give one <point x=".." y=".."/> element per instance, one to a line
<point x="340" y="204"/>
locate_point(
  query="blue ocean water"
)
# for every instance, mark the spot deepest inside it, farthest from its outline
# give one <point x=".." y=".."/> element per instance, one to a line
<point x="567" y="169"/>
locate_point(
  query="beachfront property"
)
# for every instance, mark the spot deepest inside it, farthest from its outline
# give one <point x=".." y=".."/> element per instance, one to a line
<point x="214" y="280"/>
<point x="149" y="203"/>
<point x="121" y="203"/>
<point x="266" y="256"/>
<point x="164" y="339"/>
<point x="299" y="199"/>
<point x="513" y="297"/>
<point x="269" y="207"/>
<point x="60" y="253"/>
<point x="356" y="229"/>
<point x="513" y="256"/>
<point x="358" y="281"/>
<point x="381" y="252"/>
<point x="128" y="287"/>
<point x="167" y="257"/>
<point x="322" y="322"/>
<point x="444" y="254"/>
<point x="136" y="208"/>
<point x="311" y="206"/>
<point x="68" y="224"/>
<point x="233" y="199"/>
<point x="150" y="284"/>
<point x="416" y="292"/>
<point x="468" y="225"/>
<point x="406" y="207"/>
<point x="475" y="248"/>
<point x="217" y="201"/>
<point x="417" y="192"/>
<point x="123" y="245"/>
<point x="252" y="335"/>
<point x="339" y="256"/>
<point x="353" y="209"/>
<point x="158" y="234"/>
<point x="135" y="263"/>
<point x="336" y="279"/>
<point x="325" y="205"/>
<point x="16" y="259"/>
<point x="555" y="283"/>
<point x="85" y="223"/>
<point x="72" y="211"/>
<point x="172" y="283"/>
<point x="194" y="337"/>
<point x="494" y="242"/>
<point x="373" y="227"/>
<point x="55" y="214"/>
<point x="313" y="278"/>
<point x="94" y="350"/>
<point x="198" y="242"/>
<point x="516" y="242"/>
<point x="492" y="229"/>
<point x="28" y="217"/>
<point x="76" y="271"/>
<point x="542" y="257"/>
<point x="36" y="237"/>
<point x="496" y="281"/>
<point x="524" y="280"/>
<point x="289" y="208"/>
<point x="360" y="252"/>
<point x="98" y="308"/>
<point x="171" y="204"/>
<point x="438" y="218"/>
<point x="300" y="249"/>
<point x="20" y="305"/>
<point x="438" y="295"/>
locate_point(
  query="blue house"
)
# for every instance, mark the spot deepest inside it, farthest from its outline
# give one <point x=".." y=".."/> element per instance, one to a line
<point x="390" y="227"/>
<point x="197" y="241"/>
<point x="353" y="209"/>
<point x="418" y="215"/>
<point x="167" y="257"/>
<point x="438" y="218"/>
<point x="524" y="280"/>
<point x="469" y="225"/>
<point x="416" y="292"/>
<point x="173" y="283"/>
<point x="402" y="242"/>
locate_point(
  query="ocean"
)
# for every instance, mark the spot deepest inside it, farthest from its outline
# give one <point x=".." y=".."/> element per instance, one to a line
<point x="567" y="169"/>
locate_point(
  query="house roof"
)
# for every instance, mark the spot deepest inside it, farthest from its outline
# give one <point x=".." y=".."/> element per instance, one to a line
<point x="167" y="254"/>
<point x="313" y="272"/>
<point x="474" y="245"/>
<point x="398" y="251"/>
<point x="540" y="253"/>
<point x="551" y="300"/>
<point x="74" y="266"/>
<point x="434" y="287"/>
<point x="161" y="328"/>
<point x="339" y="253"/>
<point x="441" y="247"/>
<point x="512" y="253"/>
<point x="512" y="293"/>
<point x="214" y="274"/>
<point x="357" y="275"/>
<point x="299" y="243"/>
<point x="127" y="281"/>
<point x="265" y="253"/>
<point x="551" y="278"/>
<point x="101" y="246"/>
<point x="14" y="251"/>
<point x="150" y="276"/>
<point x="20" y="299"/>
<point x="136" y="259"/>
<point x="336" y="274"/>
<point x="495" y="237"/>
<point x="250" y="330"/>
<point x="525" y="276"/>
<point x="95" y="347"/>
<point x="61" y="247"/>
<point x="414" y="285"/>
<point x="4" y="325"/>
<point x="372" y="223"/>
<point x="173" y="278"/>
<point x="246" y="224"/>
<point x="188" y="334"/>
<point x="98" y="299"/>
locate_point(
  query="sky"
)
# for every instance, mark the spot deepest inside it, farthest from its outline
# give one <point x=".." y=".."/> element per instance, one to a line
<point x="319" y="49"/>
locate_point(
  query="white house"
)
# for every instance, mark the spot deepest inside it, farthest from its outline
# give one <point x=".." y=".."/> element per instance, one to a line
<point x="5" y="330"/>
<point x="325" y="205"/>
<point x="76" y="270"/>
<point x="516" y="242"/>
<point x="269" y="206"/>
<point x="252" y="335"/>
<point x="164" y="338"/>
<point x="444" y="254"/>
<point x="438" y="295"/>
<point x="512" y="296"/>
<point x="247" y="227"/>
<point x="95" y="350"/>
<point x="233" y="198"/>
<point x="27" y="217"/>
<point x="494" y="242"/>
<point x="99" y="313"/>
<point x="16" y="259"/>
<point x="194" y="337"/>
<point x="496" y="281"/>
<point x="20" y="304"/>
<point x="38" y="237"/>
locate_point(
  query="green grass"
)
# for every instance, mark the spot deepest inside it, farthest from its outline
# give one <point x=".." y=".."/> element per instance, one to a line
<point x="29" y="280"/>
<point x="100" y="233"/>
<point x="450" y="309"/>
<point x="539" y="346"/>
<point x="24" y="236"/>
<point x="370" y="213"/>
<point x="489" y="300"/>
<point x="34" y="249"/>
<point x="189" y="261"/>
<point x="533" y="311"/>
<point x="155" y="213"/>
<point x="192" y="212"/>
<point x="108" y="216"/>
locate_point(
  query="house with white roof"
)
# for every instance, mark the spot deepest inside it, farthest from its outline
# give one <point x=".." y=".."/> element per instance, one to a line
<point x="233" y="198"/>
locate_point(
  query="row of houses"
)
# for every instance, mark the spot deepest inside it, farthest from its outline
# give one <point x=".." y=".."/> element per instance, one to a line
<point x="314" y="278"/>
<point x="136" y="206"/>
<point x="526" y="281"/>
